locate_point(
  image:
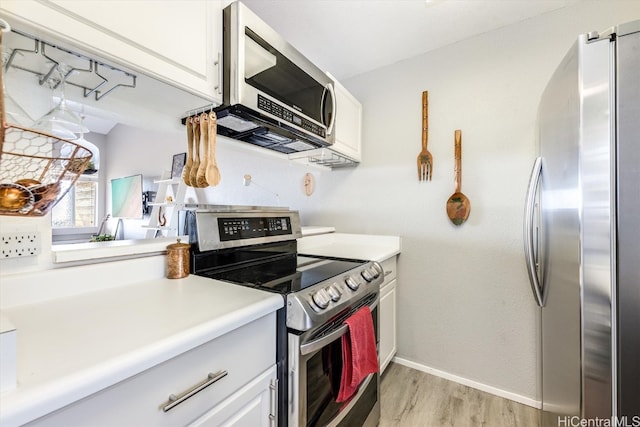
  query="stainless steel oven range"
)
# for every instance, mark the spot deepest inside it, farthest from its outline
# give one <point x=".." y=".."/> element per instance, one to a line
<point x="256" y="247"/>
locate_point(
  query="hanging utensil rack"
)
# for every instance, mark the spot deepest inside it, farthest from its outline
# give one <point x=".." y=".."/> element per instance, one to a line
<point x="331" y="159"/>
<point x="42" y="58"/>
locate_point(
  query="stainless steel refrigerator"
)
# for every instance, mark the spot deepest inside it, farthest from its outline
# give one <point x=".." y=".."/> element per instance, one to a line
<point x="582" y="232"/>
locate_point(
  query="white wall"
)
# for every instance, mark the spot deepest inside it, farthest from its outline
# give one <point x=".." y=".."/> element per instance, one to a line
<point x="464" y="302"/>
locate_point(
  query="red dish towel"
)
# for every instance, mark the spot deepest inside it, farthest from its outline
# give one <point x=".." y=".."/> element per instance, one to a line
<point x="359" y="354"/>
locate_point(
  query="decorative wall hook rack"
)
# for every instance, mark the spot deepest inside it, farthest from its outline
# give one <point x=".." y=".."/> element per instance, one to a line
<point x="247" y="180"/>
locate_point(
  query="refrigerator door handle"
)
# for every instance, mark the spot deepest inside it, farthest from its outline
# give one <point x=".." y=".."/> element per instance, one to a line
<point x="529" y="240"/>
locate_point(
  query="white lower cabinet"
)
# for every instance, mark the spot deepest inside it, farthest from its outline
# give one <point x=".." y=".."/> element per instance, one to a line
<point x="241" y="397"/>
<point x="387" y="324"/>
<point x="387" y="327"/>
<point x="252" y="406"/>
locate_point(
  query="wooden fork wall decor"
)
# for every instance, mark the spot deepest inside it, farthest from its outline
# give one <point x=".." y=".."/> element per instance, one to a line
<point x="425" y="159"/>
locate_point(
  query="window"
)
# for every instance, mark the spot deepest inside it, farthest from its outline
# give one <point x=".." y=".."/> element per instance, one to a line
<point x="79" y="207"/>
<point x="77" y="211"/>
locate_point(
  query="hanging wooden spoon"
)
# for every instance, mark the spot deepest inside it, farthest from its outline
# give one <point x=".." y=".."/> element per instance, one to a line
<point x="458" y="205"/>
<point x="187" y="167"/>
<point x="213" y="173"/>
<point x="201" y="179"/>
<point x="193" y="174"/>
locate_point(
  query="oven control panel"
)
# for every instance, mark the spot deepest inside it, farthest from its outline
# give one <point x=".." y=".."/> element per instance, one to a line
<point x="324" y="296"/>
<point x="251" y="228"/>
<point x="229" y="228"/>
<point x="308" y="308"/>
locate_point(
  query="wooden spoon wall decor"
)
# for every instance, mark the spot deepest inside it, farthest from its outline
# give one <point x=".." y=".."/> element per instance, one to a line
<point x="201" y="169"/>
<point x="193" y="174"/>
<point x="201" y="180"/>
<point x="458" y="205"/>
<point x="212" y="172"/>
<point x="186" y="173"/>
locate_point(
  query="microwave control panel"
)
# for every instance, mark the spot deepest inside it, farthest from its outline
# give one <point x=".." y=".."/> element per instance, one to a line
<point x="283" y="113"/>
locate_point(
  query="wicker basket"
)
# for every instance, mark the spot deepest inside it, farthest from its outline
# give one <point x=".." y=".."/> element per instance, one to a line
<point x="36" y="169"/>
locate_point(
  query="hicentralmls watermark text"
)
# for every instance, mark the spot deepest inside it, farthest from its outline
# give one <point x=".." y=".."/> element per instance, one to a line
<point x="575" y="421"/>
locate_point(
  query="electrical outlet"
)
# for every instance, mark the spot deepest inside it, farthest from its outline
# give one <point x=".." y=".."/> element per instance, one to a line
<point x="13" y="245"/>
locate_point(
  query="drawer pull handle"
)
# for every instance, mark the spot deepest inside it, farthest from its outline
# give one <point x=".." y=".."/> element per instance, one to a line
<point x="273" y="411"/>
<point x="176" y="400"/>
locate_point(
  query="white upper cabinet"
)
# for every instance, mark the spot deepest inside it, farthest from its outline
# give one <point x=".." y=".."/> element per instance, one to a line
<point x="178" y="42"/>
<point x="347" y="147"/>
<point x="348" y="123"/>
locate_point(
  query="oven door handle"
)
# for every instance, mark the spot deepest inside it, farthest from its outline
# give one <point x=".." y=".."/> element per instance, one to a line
<point x="314" y="345"/>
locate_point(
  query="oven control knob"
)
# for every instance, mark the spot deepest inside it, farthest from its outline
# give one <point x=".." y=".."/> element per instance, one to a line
<point x="321" y="299"/>
<point x="377" y="268"/>
<point x="367" y="275"/>
<point x="334" y="293"/>
<point x="352" y="283"/>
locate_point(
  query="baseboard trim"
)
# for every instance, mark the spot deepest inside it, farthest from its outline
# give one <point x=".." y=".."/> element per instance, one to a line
<point x="473" y="384"/>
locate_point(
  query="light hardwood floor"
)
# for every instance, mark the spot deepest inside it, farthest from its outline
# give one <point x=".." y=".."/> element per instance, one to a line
<point x="411" y="398"/>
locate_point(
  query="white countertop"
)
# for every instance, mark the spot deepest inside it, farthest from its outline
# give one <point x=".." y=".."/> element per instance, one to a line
<point x="77" y="336"/>
<point x="312" y="230"/>
<point x="357" y="246"/>
<point x="112" y="249"/>
<point x="73" y="346"/>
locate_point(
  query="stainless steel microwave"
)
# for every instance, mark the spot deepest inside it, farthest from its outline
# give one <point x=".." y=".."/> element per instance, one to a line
<point x="273" y="96"/>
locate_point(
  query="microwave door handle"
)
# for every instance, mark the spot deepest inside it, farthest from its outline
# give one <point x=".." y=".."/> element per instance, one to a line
<point x="529" y="241"/>
<point x="330" y="126"/>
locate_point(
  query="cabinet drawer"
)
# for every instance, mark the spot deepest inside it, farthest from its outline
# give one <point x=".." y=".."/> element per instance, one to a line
<point x="389" y="266"/>
<point x="243" y="353"/>
<point x="252" y="406"/>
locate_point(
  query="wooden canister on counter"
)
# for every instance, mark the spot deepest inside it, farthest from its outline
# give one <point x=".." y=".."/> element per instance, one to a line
<point x="177" y="260"/>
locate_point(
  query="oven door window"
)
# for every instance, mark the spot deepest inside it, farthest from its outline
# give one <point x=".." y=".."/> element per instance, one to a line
<point x="323" y="383"/>
<point x="323" y="372"/>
